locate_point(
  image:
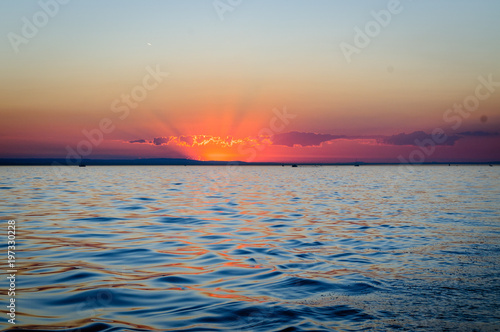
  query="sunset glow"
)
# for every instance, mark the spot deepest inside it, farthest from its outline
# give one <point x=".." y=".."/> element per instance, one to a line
<point x="179" y="81"/>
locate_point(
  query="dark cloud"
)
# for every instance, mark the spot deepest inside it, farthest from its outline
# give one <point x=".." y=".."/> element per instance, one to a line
<point x="416" y="138"/>
<point x="477" y="133"/>
<point x="161" y="140"/>
<point x="306" y="139"/>
<point x="142" y="141"/>
<point x="303" y="139"/>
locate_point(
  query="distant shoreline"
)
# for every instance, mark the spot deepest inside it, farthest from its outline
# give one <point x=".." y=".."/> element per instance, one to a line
<point x="189" y="162"/>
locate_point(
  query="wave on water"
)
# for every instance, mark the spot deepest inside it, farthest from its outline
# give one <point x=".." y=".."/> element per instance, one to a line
<point x="269" y="249"/>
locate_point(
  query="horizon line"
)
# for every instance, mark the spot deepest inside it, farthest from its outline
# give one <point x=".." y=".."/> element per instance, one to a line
<point x="192" y="162"/>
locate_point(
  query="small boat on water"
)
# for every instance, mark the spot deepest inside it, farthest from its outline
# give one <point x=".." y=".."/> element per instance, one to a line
<point x="295" y="165"/>
<point x="82" y="165"/>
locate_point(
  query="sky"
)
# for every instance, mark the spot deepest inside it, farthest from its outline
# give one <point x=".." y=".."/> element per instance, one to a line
<point x="251" y="80"/>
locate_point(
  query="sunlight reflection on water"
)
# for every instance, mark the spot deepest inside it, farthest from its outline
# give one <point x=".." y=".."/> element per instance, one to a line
<point x="260" y="249"/>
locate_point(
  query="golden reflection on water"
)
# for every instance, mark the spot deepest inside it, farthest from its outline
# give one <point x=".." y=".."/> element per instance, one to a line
<point x="147" y="236"/>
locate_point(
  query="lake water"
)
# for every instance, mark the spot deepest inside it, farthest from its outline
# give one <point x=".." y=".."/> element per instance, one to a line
<point x="254" y="248"/>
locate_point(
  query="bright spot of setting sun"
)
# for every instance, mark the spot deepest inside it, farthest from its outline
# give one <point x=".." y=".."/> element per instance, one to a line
<point x="216" y="155"/>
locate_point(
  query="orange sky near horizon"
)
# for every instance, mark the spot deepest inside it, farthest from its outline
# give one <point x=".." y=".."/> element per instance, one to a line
<point x="175" y="69"/>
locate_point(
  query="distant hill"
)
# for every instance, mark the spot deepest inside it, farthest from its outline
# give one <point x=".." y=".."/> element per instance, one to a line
<point x="105" y="162"/>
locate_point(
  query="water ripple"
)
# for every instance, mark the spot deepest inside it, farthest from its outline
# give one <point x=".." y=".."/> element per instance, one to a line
<point x="257" y="249"/>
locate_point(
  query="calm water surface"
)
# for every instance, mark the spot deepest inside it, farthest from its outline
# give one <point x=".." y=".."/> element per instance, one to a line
<point x="254" y="248"/>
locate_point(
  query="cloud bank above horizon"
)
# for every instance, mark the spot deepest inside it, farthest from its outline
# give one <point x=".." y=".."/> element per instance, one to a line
<point x="267" y="81"/>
